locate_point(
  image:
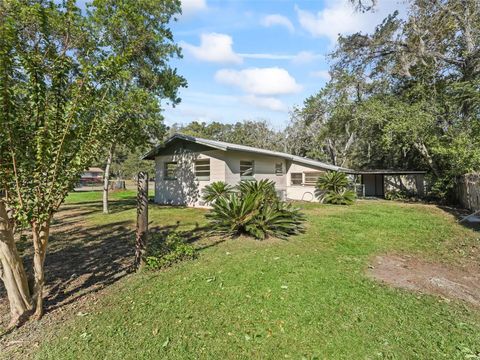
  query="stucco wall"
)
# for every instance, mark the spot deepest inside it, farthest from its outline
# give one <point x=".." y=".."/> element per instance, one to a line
<point x="413" y="183"/>
<point x="301" y="192"/>
<point x="186" y="189"/>
<point x="264" y="168"/>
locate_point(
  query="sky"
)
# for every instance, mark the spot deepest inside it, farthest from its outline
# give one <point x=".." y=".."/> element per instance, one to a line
<point x="257" y="59"/>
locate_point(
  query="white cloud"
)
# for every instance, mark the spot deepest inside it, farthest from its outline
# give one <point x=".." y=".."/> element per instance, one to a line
<point x="340" y="17"/>
<point x="267" y="56"/>
<point x="260" y="81"/>
<point x="304" y="57"/>
<point x="322" y="74"/>
<point x="270" y="103"/>
<point x="190" y="7"/>
<point x="214" y="47"/>
<point x="276" y="19"/>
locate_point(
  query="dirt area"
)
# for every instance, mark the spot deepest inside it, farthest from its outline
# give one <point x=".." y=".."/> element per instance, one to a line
<point x="82" y="261"/>
<point x="430" y="278"/>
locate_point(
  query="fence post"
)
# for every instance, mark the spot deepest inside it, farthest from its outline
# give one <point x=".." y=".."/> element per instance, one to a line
<point x="142" y="219"/>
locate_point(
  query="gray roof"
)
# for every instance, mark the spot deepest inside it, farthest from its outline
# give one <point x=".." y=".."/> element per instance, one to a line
<point x="220" y="145"/>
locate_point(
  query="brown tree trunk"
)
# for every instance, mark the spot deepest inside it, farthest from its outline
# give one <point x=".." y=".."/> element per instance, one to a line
<point x="12" y="271"/>
<point x="106" y="179"/>
<point x="40" y="234"/>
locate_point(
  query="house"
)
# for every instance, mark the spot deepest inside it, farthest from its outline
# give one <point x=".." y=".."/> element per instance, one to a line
<point x="184" y="165"/>
<point x="91" y="176"/>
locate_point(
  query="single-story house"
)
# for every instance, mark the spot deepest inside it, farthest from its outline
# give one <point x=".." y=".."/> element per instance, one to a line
<point x="184" y="165"/>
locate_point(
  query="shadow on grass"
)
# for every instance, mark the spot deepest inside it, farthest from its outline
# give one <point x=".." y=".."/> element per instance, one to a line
<point x="460" y="214"/>
<point x="83" y="258"/>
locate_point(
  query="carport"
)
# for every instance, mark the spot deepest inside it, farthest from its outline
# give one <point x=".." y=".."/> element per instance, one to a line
<point x="376" y="182"/>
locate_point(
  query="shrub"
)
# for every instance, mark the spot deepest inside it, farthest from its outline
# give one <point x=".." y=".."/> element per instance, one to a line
<point x="332" y="188"/>
<point x="163" y="251"/>
<point x="215" y="190"/>
<point x="255" y="210"/>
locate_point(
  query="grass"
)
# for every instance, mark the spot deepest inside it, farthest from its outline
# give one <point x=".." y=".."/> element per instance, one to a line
<point x="304" y="298"/>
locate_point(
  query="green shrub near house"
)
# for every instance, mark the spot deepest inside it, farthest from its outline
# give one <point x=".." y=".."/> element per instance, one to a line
<point x="332" y="188"/>
<point x="254" y="209"/>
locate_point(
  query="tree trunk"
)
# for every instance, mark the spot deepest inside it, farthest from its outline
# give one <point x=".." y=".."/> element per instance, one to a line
<point x="426" y="155"/>
<point x="12" y="271"/>
<point x="106" y="179"/>
<point x="40" y="234"/>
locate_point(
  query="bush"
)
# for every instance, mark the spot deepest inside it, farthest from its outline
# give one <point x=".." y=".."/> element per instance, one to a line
<point x="163" y="251"/>
<point x="332" y="188"/>
<point x="255" y="210"/>
<point x="215" y="190"/>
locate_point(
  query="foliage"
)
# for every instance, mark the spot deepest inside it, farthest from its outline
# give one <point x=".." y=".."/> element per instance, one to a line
<point x="69" y="79"/>
<point x="233" y="282"/>
<point x="215" y="190"/>
<point x="251" y="133"/>
<point x="404" y="97"/>
<point x="332" y="188"/>
<point x="164" y="251"/>
<point x="396" y="195"/>
<point x="256" y="211"/>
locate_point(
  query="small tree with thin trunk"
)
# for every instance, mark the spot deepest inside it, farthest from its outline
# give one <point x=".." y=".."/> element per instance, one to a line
<point x="56" y="84"/>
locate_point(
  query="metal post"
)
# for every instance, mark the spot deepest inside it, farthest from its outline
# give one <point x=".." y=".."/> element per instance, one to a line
<point x="142" y="219"/>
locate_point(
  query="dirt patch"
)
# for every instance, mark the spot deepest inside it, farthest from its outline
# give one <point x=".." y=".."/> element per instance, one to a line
<point x="426" y="277"/>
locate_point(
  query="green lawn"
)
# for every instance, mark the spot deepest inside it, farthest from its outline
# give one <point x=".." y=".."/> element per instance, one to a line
<point x="304" y="298"/>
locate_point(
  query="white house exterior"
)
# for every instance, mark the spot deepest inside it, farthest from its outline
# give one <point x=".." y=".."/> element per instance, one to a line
<point x="184" y="165"/>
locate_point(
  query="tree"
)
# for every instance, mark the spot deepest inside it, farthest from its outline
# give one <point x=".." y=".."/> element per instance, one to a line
<point x="431" y="62"/>
<point x="248" y="132"/>
<point x="403" y="97"/>
<point x="56" y="81"/>
<point x="137" y="33"/>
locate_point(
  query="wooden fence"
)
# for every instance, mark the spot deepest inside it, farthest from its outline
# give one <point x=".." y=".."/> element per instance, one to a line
<point x="468" y="191"/>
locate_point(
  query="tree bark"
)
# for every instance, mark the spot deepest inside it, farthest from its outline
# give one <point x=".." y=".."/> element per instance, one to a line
<point x="12" y="271"/>
<point x="426" y="155"/>
<point x="106" y="179"/>
<point x="40" y="234"/>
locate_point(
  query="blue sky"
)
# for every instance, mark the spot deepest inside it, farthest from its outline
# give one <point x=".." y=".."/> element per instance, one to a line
<point x="250" y="60"/>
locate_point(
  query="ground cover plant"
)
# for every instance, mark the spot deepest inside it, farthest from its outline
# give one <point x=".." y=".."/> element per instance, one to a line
<point x="253" y="209"/>
<point x="303" y="298"/>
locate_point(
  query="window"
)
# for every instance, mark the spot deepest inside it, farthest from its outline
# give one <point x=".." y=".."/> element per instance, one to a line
<point x="246" y="169"/>
<point x="202" y="169"/>
<point x="296" y="178"/>
<point x="279" y="169"/>
<point x="312" y="177"/>
<point x="169" y="170"/>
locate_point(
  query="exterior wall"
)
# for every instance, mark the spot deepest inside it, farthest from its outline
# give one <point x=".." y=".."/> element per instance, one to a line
<point x="414" y="183"/>
<point x="186" y="189"/>
<point x="264" y="168"/>
<point x="301" y="192"/>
